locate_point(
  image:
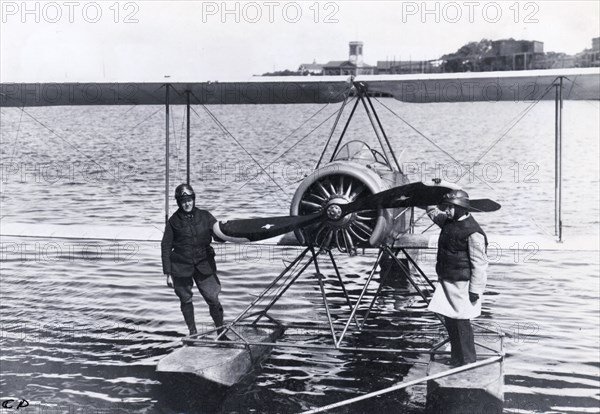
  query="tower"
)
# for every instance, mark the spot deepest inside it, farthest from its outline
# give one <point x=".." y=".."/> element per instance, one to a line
<point x="356" y="53"/>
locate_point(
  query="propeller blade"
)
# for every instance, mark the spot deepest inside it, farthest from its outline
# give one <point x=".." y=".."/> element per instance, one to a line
<point x="483" y="205"/>
<point x="247" y="230"/>
<point x="409" y="195"/>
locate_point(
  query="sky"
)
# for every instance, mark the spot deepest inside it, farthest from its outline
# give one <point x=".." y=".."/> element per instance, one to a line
<point x="128" y="41"/>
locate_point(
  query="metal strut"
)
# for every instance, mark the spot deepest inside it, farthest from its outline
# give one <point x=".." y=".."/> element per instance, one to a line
<point x="337" y="119"/>
<point x="414" y="263"/>
<point x="363" y="97"/>
<point x="322" y="288"/>
<point x="410" y="279"/>
<point x="287" y="286"/>
<point x="188" y="133"/>
<point x="267" y="289"/>
<point x="383" y="133"/>
<point x="339" y="276"/>
<point x="167" y="153"/>
<point x="337" y="145"/>
<point x="362" y="293"/>
<point x="403" y="385"/>
<point x="558" y="118"/>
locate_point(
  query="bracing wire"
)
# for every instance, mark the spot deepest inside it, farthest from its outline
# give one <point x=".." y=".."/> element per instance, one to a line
<point x="514" y="123"/>
<point x="226" y="132"/>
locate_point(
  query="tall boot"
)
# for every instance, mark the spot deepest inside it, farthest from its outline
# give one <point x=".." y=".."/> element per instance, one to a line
<point x="216" y="312"/>
<point x="187" y="309"/>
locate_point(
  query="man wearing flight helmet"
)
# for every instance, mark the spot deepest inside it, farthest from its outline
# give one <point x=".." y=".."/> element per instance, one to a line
<point x="187" y="257"/>
<point x="462" y="272"/>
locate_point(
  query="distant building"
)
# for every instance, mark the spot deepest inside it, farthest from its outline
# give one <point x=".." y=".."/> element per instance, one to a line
<point x="353" y="66"/>
<point x="311" y="69"/>
<point x="510" y="54"/>
<point x="478" y="56"/>
<point x="595" y="53"/>
<point x="589" y="57"/>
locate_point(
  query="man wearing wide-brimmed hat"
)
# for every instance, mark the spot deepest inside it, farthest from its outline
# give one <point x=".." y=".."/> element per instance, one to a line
<point x="461" y="268"/>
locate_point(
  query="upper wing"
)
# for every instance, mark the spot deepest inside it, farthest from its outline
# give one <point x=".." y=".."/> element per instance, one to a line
<point x="259" y="90"/>
<point x="579" y="83"/>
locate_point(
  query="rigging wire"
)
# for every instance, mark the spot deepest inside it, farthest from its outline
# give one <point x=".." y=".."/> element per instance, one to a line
<point x="14" y="151"/>
<point x="147" y="118"/>
<point x="300" y="126"/>
<point x="109" y="188"/>
<point x="296" y="144"/>
<point x="226" y="132"/>
<point x="514" y="122"/>
<point x="12" y="157"/>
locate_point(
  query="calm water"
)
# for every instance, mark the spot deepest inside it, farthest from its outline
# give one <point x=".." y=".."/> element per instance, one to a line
<point x="84" y="323"/>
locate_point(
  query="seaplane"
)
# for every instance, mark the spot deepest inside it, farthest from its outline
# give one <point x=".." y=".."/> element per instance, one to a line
<point x="356" y="198"/>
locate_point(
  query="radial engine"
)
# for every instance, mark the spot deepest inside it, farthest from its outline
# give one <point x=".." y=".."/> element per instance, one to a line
<point x="356" y="171"/>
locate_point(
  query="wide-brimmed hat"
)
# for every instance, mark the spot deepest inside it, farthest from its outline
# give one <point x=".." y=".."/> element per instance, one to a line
<point x="461" y="198"/>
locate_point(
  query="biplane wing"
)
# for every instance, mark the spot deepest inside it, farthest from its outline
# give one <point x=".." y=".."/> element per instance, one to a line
<point x="257" y="90"/>
<point x="580" y="83"/>
<point x="531" y="85"/>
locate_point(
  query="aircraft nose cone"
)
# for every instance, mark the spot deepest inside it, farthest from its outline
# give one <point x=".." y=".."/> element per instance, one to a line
<point x="334" y="212"/>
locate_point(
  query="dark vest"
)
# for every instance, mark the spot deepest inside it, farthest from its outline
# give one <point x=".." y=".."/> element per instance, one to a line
<point x="191" y="242"/>
<point x="453" y="262"/>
